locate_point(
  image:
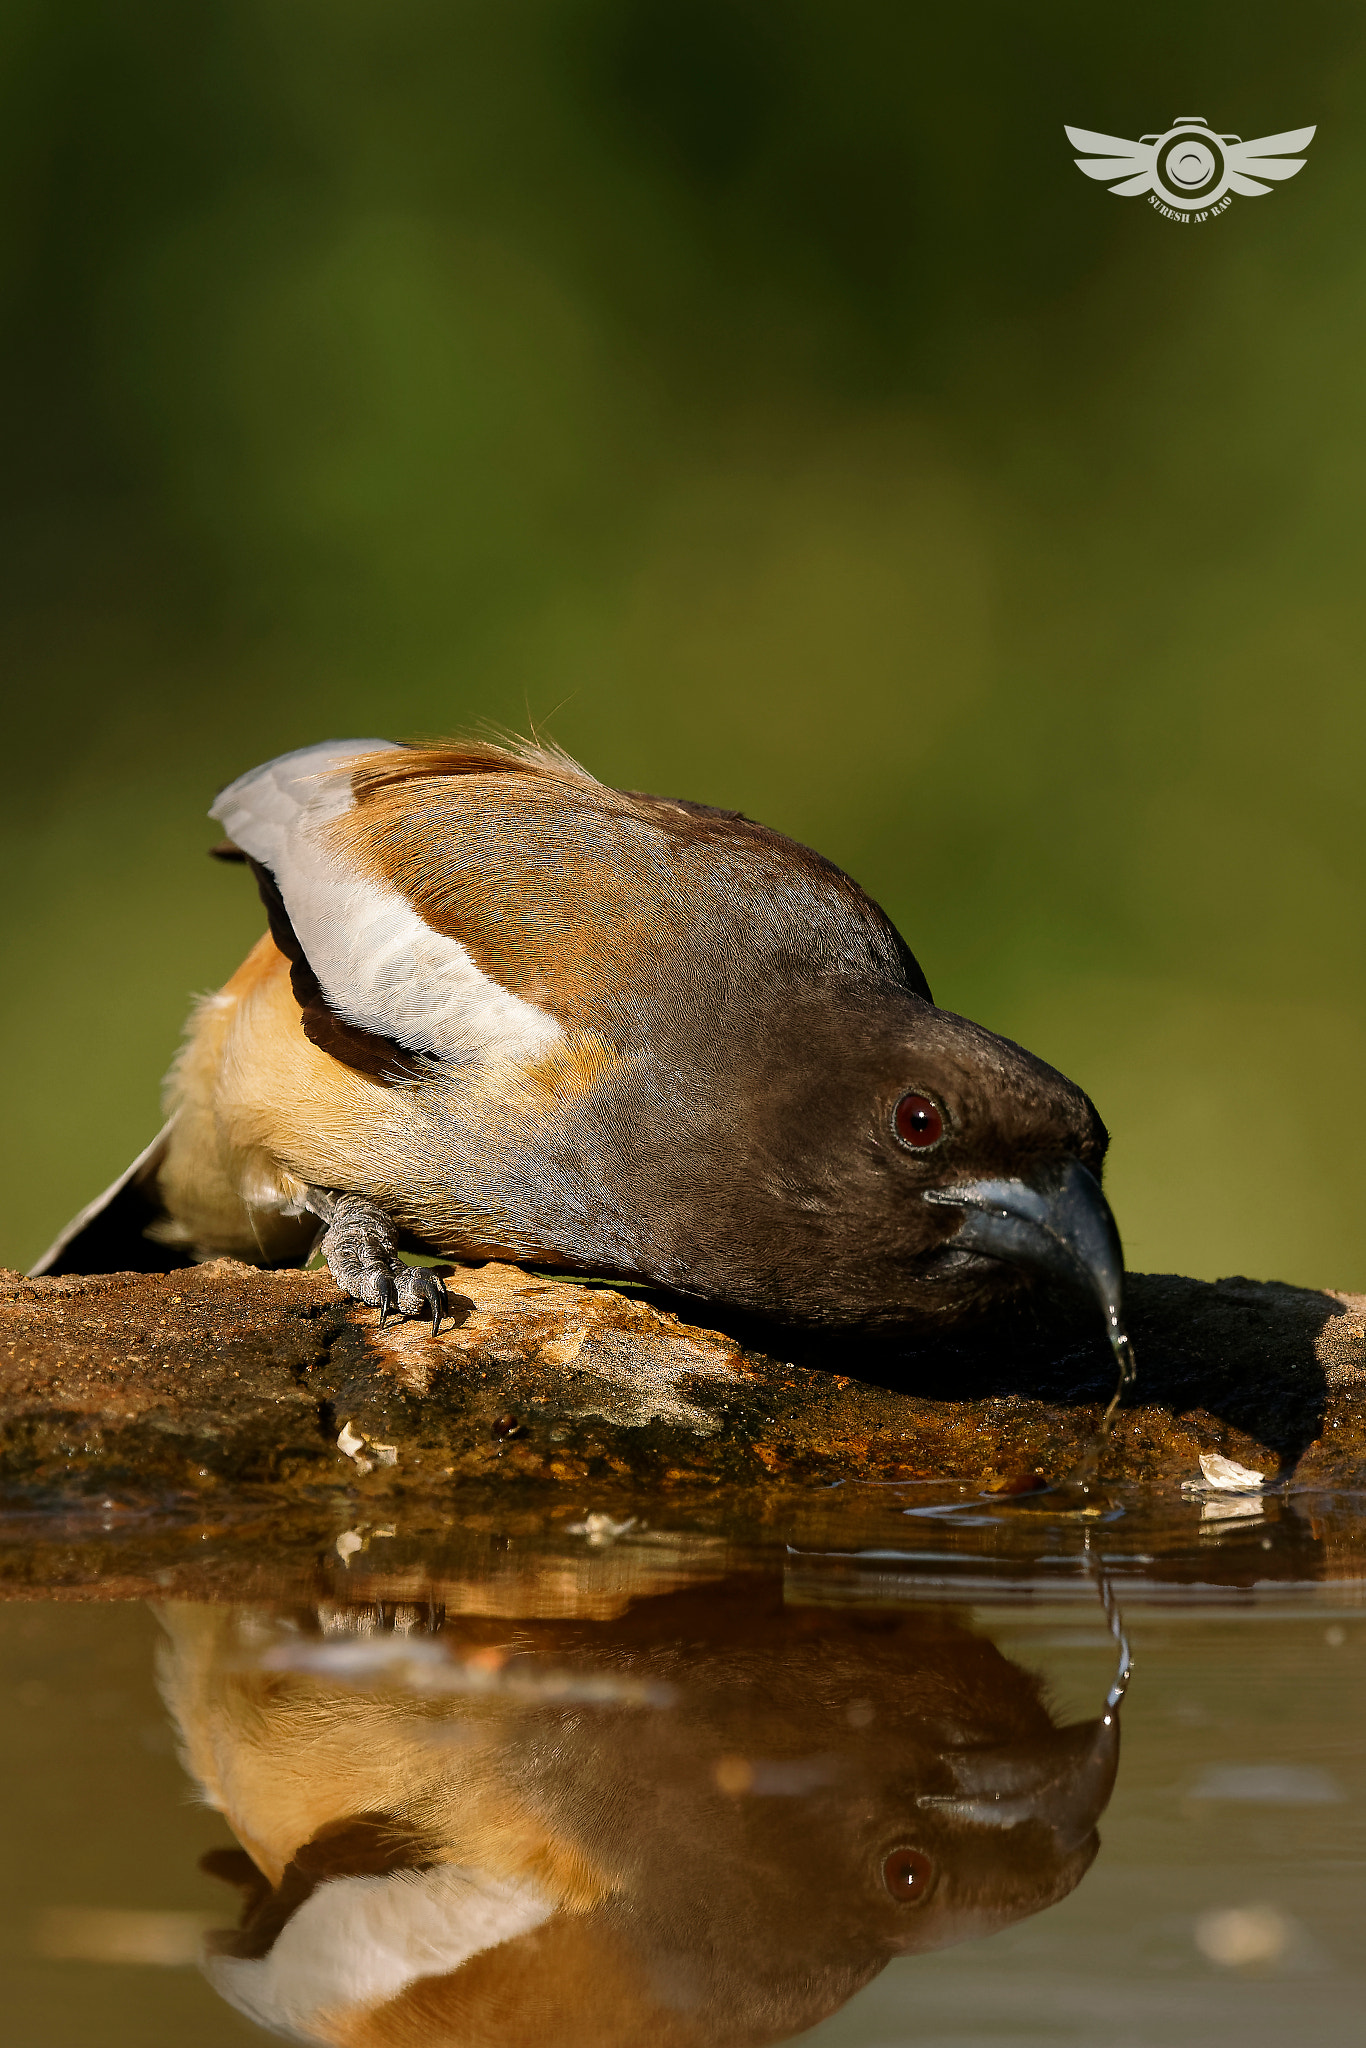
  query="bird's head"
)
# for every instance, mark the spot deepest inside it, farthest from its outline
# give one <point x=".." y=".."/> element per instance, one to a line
<point x="866" y="1158"/>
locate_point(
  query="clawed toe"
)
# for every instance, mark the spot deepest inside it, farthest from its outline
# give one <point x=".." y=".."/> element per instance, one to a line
<point x="433" y="1291"/>
<point x="385" y="1288"/>
<point x="363" y="1260"/>
<point x="420" y="1293"/>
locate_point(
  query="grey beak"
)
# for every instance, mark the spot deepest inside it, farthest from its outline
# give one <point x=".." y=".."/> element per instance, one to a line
<point x="1064" y="1782"/>
<point x="1057" y="1222"/>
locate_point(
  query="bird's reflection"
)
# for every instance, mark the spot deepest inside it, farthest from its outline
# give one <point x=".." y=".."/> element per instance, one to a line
<point x="708" y="1821"/>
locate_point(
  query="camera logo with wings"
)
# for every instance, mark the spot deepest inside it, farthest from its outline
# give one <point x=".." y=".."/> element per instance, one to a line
<point x="1190" y="168"/>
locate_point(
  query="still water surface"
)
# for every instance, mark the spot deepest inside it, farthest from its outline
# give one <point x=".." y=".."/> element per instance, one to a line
<point x="856" y="1779"/>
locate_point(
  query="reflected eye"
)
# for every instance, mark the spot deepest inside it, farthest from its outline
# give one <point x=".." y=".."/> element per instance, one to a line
<point x="919" y="1122"/>
<point x="906" y="1874"/>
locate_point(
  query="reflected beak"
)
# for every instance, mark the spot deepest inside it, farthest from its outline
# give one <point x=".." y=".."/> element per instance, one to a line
<point x="1057" y="1222"/>
<point x="1063" y="1782"/>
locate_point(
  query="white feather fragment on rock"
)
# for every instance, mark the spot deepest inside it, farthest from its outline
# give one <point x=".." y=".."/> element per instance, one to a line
<point x="1224" y="1475"/>
<point x="353" y="1446"/>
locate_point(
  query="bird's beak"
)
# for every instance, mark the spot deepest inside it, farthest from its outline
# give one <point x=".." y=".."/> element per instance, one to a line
<point x="1063" y="1782"/>
<point x="1057" y="1222"/>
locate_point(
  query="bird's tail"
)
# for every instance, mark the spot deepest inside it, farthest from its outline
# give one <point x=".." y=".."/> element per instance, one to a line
<point x="110" y="1233"/>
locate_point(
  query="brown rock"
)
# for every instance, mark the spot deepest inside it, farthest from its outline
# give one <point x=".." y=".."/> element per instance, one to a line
<point x="225" y="1381"/>
<point x="211" y="1429"/>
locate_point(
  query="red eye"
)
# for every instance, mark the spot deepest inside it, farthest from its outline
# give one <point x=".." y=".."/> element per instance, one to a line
<point x="919" y="1122"/>
<point x="906" y="1874"/>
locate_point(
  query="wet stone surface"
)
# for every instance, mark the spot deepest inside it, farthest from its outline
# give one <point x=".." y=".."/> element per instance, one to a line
<point x="225" y="1377"/>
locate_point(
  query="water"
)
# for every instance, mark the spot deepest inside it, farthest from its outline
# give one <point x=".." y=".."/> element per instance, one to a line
<point x="836" y="1768"/>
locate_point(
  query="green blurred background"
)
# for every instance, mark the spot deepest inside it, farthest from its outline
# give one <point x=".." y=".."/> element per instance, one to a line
<point x="757" y="397"/>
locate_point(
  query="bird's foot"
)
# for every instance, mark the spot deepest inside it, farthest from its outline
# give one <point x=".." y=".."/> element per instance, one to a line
<point x="362" y="1258"/>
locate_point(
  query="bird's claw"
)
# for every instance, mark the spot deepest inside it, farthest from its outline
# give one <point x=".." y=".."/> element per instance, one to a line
<point x="388" y="1294"/>
<point x="433" y="1289"/>
<point x="363" y="1260"/>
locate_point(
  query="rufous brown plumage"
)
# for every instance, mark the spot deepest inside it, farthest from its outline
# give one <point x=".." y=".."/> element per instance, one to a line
<point x="503" y="1010"/>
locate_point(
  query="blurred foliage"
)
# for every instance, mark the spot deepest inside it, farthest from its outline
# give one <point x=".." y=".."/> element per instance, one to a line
<point x="758" y="397"/>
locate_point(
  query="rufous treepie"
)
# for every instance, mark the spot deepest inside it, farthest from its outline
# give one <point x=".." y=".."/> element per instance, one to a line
<point x="503" y="1011"/>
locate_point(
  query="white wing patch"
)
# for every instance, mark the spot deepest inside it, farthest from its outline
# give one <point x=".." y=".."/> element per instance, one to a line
<point x="379" y="964"/>
<point x="358" y="1941"/>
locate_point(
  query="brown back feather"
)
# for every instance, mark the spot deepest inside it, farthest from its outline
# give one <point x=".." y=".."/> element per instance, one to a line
<point x="417" y="761"/>
<point x="597" y="903"/>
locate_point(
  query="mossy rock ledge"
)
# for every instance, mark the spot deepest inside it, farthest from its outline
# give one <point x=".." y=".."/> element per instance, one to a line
<point x="221" y="1379"/>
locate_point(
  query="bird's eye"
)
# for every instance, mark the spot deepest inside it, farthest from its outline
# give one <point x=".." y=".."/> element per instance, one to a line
<point x="919" y="1122"/>
<point x="907" y="1874"/>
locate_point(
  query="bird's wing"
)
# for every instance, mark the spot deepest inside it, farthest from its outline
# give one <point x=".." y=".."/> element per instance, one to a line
<point x="1269" y="156"/>
<point x="617" y="914"/>
<point x="1110" y="156"/>
<point x="379" y="964"/>
<point x="481" y="903"/>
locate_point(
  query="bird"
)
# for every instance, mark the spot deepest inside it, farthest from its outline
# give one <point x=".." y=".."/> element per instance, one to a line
<point x="706" y="1821"/>
<point x="503" y="1011"/>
